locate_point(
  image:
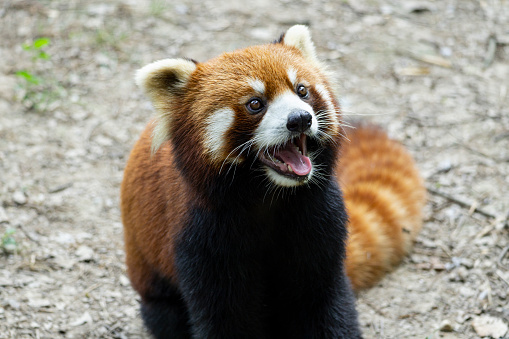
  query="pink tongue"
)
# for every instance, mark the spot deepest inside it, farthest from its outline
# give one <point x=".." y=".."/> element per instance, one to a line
<point x="300" y="164"/>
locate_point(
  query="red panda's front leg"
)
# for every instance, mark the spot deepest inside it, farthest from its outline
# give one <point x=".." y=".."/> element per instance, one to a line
<point x="218" y="268"/>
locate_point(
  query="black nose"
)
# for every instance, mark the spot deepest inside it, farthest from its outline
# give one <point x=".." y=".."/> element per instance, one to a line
<point x="299" y="121"/>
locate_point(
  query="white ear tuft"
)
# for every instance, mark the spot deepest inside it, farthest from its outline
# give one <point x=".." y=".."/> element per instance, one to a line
<point x="163" y="81"/>
<point x="166" y="74"/>
<point x="160" y="133"/>
<point x="299" y="37"/>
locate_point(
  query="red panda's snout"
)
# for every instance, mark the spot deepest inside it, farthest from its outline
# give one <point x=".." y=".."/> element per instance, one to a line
<point x="282" y="137"/>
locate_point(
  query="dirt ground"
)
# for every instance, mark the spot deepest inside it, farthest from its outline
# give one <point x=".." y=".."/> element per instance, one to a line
<point x="435" y="74"/>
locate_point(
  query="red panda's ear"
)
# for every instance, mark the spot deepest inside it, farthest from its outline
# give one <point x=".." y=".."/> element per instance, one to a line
<point x="165" y="76"/>
<point x="163" y="81"/>
<point x="298" y="36"/>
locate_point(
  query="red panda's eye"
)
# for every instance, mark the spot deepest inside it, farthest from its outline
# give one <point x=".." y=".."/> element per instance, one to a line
<point x="302" y="91"/>
<point x="255" y="105"/>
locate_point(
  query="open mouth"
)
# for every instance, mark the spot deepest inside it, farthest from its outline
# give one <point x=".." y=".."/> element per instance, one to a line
<point x="289" y="159"/>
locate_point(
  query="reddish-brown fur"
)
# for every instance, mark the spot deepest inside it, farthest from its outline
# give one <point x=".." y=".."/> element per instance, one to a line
<point x="146" y="252"/>
<point x="384" y="196"/>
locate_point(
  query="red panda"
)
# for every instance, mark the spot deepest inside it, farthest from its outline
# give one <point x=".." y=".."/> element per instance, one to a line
<point x="235" y="225"/>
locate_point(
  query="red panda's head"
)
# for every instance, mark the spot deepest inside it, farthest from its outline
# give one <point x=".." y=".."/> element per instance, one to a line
<point x="266" y="108"/>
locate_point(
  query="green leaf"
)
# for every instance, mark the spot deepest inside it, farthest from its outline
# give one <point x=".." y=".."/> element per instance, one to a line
<point x="10" y="231"/>
<point x="9" y="241"/>
<point x="43" y="55"/>
<point x="41" y="42"/>
<point x="28" y="77"/>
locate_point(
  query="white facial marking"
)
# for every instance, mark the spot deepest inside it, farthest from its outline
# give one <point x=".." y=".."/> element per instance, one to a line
<point x="257" y="85"/>
<point x="292" y="75"/>
<point x="322" y="91"/>
<point x="331" y="111"/>
<point x="216" y="127"/>
<point x="281" y="180"/>
<point x="272" y="129"/>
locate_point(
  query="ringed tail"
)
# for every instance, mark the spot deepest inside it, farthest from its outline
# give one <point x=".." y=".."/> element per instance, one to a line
<point x="384" y="196"/>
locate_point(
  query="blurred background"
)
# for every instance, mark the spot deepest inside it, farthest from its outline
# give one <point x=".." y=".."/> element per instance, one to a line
<point x="434" y="74"/>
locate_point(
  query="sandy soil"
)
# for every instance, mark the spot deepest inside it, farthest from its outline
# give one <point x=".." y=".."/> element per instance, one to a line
<point x="435" y="74"/>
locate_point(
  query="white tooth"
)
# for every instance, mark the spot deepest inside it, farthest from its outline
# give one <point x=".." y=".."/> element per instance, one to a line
<point x="300" y="152"/>
<point x="289" y="169"/>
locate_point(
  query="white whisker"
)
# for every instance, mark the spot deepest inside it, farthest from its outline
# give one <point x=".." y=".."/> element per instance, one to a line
<point x="228" y="156"/>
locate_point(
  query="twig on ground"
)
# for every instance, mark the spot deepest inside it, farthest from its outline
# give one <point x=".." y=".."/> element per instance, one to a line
<point x="472" y="207"/>
<point x="502" y="277"/>
<point x="91" y="288"/>
<point x="502" y="255"/>
<point x="446" y="251"/>
<point x="428" y="58"/>
<point x="27" y="234"/>
<point x="490" y="54"/>
<point x="487" y="229"/>
<point x="375" y="308"/>
<point x="60" y="188"/>
<point x="459" y="143"/>
<point x="85" y="292"/>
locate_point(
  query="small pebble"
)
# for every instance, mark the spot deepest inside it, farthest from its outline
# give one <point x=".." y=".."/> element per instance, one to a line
<point x="84" y="319"/>
<point x="488" y="326"/>
<point x="467" y="263"/>
<point x="444" y="166"/>
<point x="19" y="198"/>
<point x="124" y="281"/>
<point x="14" y="304"/>
<point x="446" y="326"/>
<point x="84" y="253"/>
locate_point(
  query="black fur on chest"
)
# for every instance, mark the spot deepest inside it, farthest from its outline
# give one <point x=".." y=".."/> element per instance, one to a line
<point x="268" y="270"/>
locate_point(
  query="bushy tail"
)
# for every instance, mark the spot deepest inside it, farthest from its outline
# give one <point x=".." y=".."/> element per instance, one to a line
<point x="384" y="196"/>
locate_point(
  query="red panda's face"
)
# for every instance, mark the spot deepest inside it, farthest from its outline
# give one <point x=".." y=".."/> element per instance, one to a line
<point x="269" y="107"/>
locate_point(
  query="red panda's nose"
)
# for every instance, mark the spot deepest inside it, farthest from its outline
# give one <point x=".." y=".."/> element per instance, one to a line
<point x="299" y="121"/>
